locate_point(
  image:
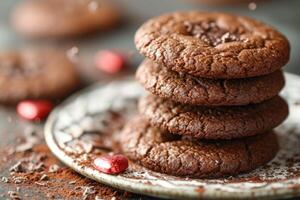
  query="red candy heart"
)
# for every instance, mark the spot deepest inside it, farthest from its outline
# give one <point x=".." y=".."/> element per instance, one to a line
<point x="114" y="164"/>
<point x="34" y="109"/>
<point x="110" y="61"/>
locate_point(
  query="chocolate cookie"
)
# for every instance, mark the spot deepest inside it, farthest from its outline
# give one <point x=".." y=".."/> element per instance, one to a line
<point x="35" y="74"/>
<point x="213" y="45"/>
<point x="215" y="122"/>
<point x="187" y="89"/>
<point x="175" y="155"/>
<point x="56" y="18"/>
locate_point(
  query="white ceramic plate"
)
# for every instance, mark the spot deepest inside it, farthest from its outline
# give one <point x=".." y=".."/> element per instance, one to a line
<point x="83" y="127"/>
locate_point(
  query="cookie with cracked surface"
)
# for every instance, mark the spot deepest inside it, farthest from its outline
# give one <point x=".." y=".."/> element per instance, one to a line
<point x="56" y="18"/>
<point x="213" y="45"/>
<point x="188" y="89"/>
<point x="36" y="74"/>
<point x="175" y="155"/>
<point x="213" y="122"/>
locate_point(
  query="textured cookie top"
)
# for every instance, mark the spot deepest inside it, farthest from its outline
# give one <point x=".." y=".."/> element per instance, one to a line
<point x="35" y="74"/>
<point x="213" y="45"/>
<point x="56" y="18"/>
<point x="188" y="89"/>
<point x="167" y="153"/>
<point x="215" y="122"/>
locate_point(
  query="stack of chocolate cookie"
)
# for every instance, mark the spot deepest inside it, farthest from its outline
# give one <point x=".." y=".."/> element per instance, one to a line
<point x="214" y="80"/>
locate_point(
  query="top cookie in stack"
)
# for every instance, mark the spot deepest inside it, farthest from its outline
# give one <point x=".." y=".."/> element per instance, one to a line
<point x="211" y="58"/>
<point x="213" y="45"/>
<point x="213" y="76"/>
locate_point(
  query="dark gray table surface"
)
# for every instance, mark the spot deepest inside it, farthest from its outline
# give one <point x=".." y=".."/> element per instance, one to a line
<point x="283" y="14"/>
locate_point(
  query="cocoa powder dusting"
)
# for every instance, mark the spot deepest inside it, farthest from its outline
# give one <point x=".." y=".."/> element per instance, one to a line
<point x="36" y="174"/>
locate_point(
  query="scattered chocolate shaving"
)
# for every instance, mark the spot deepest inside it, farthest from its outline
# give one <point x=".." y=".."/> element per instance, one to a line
<point x="18" y="179"/>
<point x="87" y="191"/>
<point x="17" y="167"/>
<point x="13" y="195"/>
<point x="30" y="164"/>
<point x="24" y="147"/>
<point x="54" y="168"/>
<point x="40" y="184"/>
<point x="31" y="138"/>
<point x="44" y="177"/>
<point x="4" y="179"/>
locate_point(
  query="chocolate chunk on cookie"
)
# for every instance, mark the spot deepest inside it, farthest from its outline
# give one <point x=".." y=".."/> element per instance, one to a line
<point x="35" y="74"/>
<point x="175" y="155"/>
<point x="214" y="122"/>
<point x="213" y="45"/>
<point x="188" y="89"/>
<point x="56" y="18"/>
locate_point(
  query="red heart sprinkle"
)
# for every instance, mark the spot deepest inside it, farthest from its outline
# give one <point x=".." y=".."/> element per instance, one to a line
<point x="34" y="109"/>
<point x="110" y="61"/>
<point x="114" y="164"/>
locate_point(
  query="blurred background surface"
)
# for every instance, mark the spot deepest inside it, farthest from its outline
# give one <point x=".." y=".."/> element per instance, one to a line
<point x="284" y="15"/>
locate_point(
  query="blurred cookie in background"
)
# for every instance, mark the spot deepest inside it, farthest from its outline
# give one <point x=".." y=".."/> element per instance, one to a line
<point x="56" y="18"/>
<point x="36" y="74"/>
